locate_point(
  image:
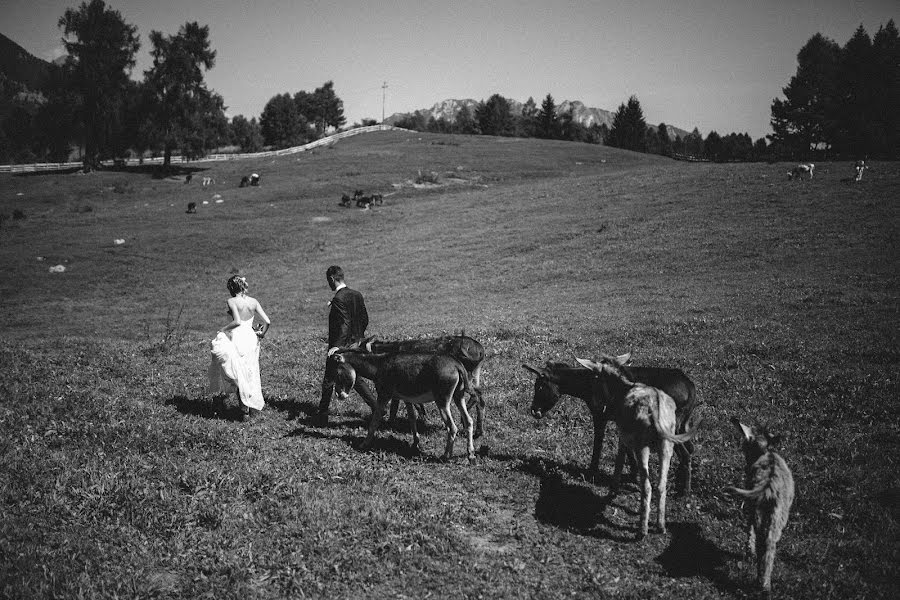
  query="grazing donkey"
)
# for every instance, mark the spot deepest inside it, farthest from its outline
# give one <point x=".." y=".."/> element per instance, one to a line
<point x="802" y="169"/>
<point x="412" y="378"/>
<point x="768" y="498"/>
<point x="557" y="378"/>
<point x="463" y="348"/>
<point x="645" y="417"/>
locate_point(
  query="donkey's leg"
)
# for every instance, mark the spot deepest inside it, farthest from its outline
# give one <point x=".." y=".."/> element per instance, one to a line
<point x="600" y="421"/>
<point x="375" y="421"/>
<point x="646" y="490"/>
<point x="665" y="459"/>
<point x="468" y="425"/>
<point x="444" y="408"/>
<point x="620" y="462"/>
<point x="411" y="416"/>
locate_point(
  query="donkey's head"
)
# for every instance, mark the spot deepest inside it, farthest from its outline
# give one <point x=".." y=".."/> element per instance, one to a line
<point x="754" y="441"/>
<point x="341" y="373"/>
<point x="546" y="390"/>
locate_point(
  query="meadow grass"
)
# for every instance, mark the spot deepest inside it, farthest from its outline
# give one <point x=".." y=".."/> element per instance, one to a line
<point x="121" y="477"/>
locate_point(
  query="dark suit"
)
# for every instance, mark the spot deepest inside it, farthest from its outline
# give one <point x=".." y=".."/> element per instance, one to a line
<point x="348" y="319"/>
<point x="347" y="322"/>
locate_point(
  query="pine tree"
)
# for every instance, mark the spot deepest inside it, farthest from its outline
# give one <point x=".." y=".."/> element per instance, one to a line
<point x="183" y="113"/>
<point x="808" y="116"/>
<point x="494" y="117"/>
<point x="629" y="129"/>
<point x="101" y="47"/>
<point x="547" y="121"/>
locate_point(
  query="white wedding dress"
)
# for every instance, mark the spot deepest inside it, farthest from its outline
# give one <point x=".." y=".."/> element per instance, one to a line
<point x="235" y="364"/>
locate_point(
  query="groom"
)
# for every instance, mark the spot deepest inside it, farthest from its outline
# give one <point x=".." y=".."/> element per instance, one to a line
<point x="347" y="322"/>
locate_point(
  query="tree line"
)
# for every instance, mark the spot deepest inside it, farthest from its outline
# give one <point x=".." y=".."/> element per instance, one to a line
<point x="843" y="100"/>
<point x="90" y="101"/>
<point x="629" y="129"/>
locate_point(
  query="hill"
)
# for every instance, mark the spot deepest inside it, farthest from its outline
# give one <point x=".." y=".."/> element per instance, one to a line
<point x="20" y="66"/>
<point x="585" y="115"/>
<point x="121" y="476"/>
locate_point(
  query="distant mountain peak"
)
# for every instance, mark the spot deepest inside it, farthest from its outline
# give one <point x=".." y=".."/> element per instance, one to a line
<point x="18" y="65"/>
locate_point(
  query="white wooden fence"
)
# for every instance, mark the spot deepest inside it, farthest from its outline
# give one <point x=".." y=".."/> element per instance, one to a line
<point x="34" y="168"/>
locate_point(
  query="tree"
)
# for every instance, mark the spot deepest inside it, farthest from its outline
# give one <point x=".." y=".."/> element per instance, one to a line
<point x="760" y="149"/>
<point x="886" y="81"/>
<point x="101" y="48"/>
<point x="322" y="108"/>
<point x="281" y="123"/>
<point x="528" y="120"/>
<point x="330" y="108"/>
<point x="693" y="144"/>
<point x="713" y="146"/>
<point x="665" y="142"/>
<point x="886" y="48"/>
<point x="464" y="123"/>
<point x="547" y="122"/>
<point x="182" y="112"/>
<point x="808" y="116"/>
<point x="245" y="134"/>
<point x="629" y="129"/>
<point x="494" y="117"/>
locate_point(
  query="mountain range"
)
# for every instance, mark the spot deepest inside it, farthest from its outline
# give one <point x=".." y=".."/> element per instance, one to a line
<point x="585" y="115"/>
<point x="17" y="64"/>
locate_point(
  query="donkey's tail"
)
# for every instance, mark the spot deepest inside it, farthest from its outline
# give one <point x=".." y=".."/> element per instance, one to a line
<point x="679" y="438"/>
<point x="748" y="494"/>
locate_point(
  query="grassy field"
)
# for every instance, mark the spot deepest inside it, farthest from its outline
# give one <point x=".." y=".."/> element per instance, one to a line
<point x="120" y="477"/>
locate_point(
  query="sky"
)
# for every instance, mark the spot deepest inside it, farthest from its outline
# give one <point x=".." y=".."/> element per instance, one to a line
<point x="711" y="64"/>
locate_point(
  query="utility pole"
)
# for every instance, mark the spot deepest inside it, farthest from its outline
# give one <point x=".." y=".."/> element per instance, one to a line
<point x="383" y="87"/>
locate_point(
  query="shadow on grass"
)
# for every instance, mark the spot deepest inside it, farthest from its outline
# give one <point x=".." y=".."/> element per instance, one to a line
<point x="400" y="446"/>
<point x="573" y="506"/>
<point x="205" y="407"/>
<point x="689" y="554"/>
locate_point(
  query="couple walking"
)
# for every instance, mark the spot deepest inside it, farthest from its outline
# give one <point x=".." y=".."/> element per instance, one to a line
<point x="235" y="350"/>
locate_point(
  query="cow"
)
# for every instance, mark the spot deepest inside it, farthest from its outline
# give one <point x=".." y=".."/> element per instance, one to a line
<point x="192" y="208"/>
<point x="345" y="200"/>
<point x="411" y="378"/>
<point x="557" y="379"/>
<point x="207" y="181"/>
<point x="364" y="202"/>
<point x="377" y="199"/>
<point x="188" y="177"/>
<point x="254" y="179"/>
<point x="802" y="169"/>
<point x="463" y="348"/>
<point x="645" y="418"/>
<point x="245" y="181"/>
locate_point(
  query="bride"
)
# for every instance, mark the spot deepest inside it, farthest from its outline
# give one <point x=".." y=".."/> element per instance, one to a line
<point x="235" y="350"/>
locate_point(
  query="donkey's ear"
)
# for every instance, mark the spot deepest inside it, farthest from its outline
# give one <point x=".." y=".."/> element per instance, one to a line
<point x="744" y="431"/>
<point x="623" y="359"/>
<point x="539" y="372"/>
<point x="588" y="364"/>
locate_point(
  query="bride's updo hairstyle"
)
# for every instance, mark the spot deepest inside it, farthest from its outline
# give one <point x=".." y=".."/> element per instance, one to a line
<point x="236" y="285"/>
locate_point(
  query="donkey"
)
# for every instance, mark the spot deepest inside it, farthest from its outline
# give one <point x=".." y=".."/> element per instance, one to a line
<point x="768" y="497"/>
<point x="463" y="348"/>
<point x="412" y="378"/>
<point x="645" y="417"/>
<point x="557" y="378"/>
